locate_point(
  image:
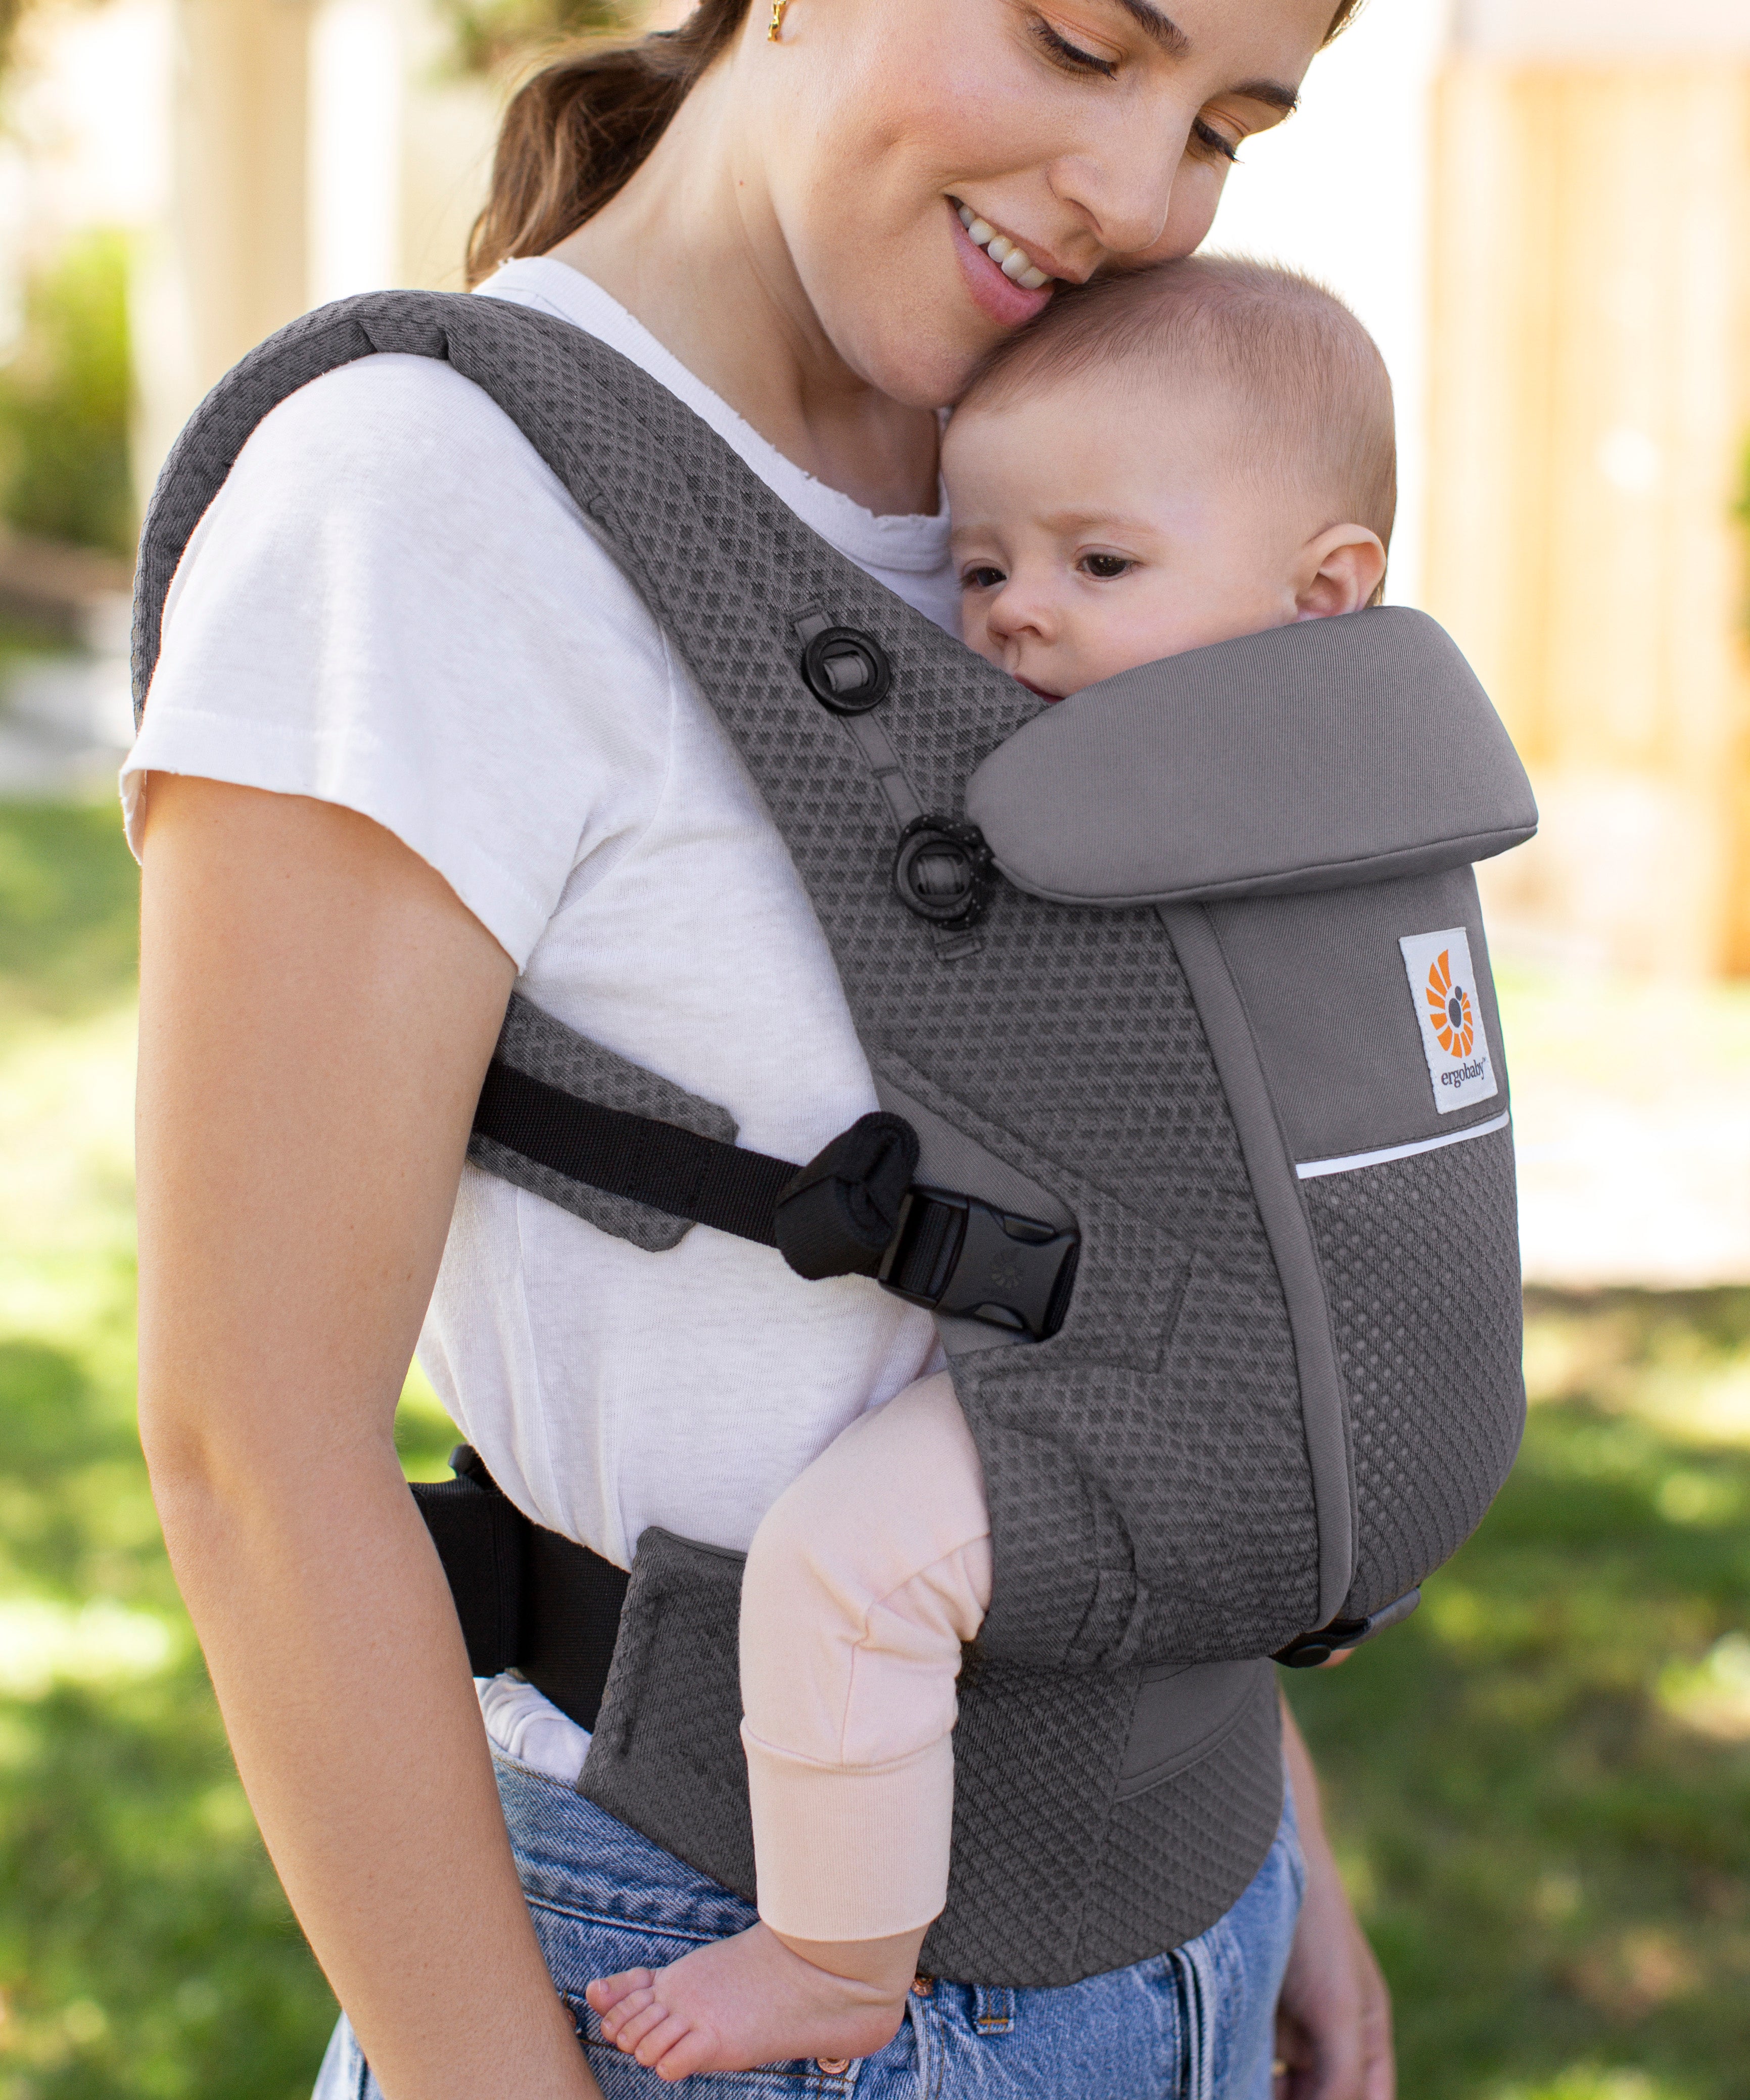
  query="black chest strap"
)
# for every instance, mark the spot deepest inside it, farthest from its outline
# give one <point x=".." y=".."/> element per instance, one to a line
<point x="854" y="1210"/>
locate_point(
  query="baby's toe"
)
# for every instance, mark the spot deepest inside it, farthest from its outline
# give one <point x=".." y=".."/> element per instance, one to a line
<point x="635" y="2002"/>
<point x="607" y="1991"/>
<point x="659" y="2043"/>
<point x="694" y="2049"/>
<point x="641" y="2021"/>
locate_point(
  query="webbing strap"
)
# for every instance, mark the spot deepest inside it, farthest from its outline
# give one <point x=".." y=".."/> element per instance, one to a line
<point x="853" y="1210"/>
<point x="673" y="1170"/>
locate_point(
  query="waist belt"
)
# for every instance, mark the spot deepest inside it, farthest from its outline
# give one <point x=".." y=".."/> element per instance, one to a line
<point x="528" y="1599"/>
<point x="531" y="1600"/>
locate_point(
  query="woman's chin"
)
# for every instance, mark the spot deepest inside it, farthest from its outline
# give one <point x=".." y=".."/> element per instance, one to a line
<point x="918" y="367"/>
<point x="918" y="337"/>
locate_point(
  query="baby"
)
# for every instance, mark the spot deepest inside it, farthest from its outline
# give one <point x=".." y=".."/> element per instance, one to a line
<point x="1165" y="459"/>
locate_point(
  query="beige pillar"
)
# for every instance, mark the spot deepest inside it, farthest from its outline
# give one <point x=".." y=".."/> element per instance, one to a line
<point x="1590" y="404"/>
<point x="322" y="147"/>
<point x="231" y="264"/>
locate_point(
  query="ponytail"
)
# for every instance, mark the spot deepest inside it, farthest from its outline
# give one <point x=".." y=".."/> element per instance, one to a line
<point x="575" y="134"/>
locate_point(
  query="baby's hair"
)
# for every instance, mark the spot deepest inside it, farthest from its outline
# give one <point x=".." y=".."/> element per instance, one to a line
<point x="1315" y="391"/>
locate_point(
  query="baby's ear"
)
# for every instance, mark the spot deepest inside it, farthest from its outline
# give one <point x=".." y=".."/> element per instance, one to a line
<point x="1339" y="571"/>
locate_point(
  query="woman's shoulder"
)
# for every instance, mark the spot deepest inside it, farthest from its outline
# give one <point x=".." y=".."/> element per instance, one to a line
<point x="394" y="432"/>
<point x="393" y="603"/>
<point x="394" y="484"/>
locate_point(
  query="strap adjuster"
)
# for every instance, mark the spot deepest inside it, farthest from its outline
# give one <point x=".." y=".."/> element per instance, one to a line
<point x="1307" y="1651"/>
<point x="954" y="1254"/>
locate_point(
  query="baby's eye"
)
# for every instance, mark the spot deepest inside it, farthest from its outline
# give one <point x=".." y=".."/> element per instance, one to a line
<point x="981" y="577"/>
<point x="1104" y="568"/>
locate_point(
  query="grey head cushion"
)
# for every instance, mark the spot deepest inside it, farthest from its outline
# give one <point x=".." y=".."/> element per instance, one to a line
<point x="1313" y="756"/>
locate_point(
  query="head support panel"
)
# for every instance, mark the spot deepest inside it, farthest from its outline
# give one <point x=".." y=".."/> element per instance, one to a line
<point x="1319" y="756"/>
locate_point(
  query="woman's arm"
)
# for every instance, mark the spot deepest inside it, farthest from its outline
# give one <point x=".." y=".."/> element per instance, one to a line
<point x="1333" y="2019"/>
<point x="317" y="1009"/>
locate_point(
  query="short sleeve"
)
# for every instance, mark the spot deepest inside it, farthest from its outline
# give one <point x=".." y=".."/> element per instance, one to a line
<point x="393" y="604"/>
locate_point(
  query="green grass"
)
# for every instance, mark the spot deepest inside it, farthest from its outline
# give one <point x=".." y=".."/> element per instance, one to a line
<point x="1542" y="1781"/>
<point x="1540" y="1785"/>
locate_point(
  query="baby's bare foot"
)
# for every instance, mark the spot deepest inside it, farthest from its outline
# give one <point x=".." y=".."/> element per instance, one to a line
<point x="740" y="2003"/>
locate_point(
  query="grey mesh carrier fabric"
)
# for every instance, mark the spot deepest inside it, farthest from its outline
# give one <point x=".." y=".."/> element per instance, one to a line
<point x="1228" y="1015"/>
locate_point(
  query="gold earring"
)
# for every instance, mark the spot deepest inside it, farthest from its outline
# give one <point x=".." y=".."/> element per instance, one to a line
<point x="776" y="23"/>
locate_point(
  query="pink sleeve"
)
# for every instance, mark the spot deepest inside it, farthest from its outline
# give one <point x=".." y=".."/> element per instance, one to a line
<point x="864" y="1581"/>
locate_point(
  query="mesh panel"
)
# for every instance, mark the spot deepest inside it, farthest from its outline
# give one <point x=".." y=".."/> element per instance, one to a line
<point x="1149" y="1490"/>
<point x="666" y="1756"/>
<point x="1051" y="1879"/>
<point x="1167" y="1857"/>
<point x="1421" y="1258"/>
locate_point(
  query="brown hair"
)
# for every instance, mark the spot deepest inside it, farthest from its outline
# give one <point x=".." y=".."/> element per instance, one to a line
<point x="1314" y="390"/>
<point x="578" y="131"/>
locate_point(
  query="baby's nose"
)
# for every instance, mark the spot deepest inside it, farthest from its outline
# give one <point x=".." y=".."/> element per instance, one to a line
<point x="1018" y="609"/>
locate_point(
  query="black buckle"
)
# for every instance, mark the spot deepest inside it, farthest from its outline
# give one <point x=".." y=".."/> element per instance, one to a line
<point x="1307" y="1651"/>
<point x="954" y="1254"/>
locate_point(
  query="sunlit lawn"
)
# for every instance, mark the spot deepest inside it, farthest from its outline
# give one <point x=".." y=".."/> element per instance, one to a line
<point x="1542" y="1784"/>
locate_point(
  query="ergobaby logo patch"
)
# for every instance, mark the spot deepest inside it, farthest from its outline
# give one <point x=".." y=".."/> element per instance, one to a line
<point x="1443" y="988"/>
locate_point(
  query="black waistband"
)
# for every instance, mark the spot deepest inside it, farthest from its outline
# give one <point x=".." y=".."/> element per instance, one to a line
<point x="528" y="1599"/>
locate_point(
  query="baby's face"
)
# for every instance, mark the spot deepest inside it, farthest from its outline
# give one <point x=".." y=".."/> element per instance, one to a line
<point x="1100" y="525"/>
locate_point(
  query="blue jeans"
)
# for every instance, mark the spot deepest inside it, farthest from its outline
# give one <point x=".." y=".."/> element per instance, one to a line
<point x="1196" y="2024"/>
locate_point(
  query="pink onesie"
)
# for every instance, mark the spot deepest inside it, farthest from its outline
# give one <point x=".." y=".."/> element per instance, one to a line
<point x="868" y="1574"/>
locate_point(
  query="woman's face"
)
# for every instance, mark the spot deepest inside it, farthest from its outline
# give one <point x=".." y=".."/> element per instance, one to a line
<point x="1090" y="133"/>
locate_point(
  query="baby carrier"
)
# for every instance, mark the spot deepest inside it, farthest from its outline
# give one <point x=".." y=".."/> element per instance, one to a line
<point x="1195" y="1137"/>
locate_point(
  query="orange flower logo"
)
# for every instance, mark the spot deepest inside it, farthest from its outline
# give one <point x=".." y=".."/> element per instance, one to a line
<point x="1449" y="1014"/>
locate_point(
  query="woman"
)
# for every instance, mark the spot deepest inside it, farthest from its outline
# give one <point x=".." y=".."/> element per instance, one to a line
<point x="412" y="738"/>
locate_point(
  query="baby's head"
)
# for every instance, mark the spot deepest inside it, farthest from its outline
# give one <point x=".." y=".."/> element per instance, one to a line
<point x="1170" y="458"/>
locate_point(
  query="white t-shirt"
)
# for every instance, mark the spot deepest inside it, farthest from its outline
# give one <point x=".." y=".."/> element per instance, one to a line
<point x="393" y="605"/>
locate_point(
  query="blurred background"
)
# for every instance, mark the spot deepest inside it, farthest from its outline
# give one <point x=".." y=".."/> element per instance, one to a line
<point x="1541" y="1784"/>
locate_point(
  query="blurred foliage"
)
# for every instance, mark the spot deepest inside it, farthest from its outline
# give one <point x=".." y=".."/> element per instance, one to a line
<point x="64" y="397"/>
<point x="489" y="34"/>
<point x="69" y="912"/>
<point x="1540" y="1785"/>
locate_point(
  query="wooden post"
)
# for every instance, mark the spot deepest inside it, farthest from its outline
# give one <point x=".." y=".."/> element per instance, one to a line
<point x="1590" y="399"/>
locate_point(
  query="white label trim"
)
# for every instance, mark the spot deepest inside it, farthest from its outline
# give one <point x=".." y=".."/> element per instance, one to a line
<point x="1310" y="1170"/>
<point x="1449" y="1015"/>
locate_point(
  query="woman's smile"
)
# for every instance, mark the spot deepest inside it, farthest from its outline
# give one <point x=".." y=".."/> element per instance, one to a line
<point x="1018" y="265"/>
<point x="1008" y="290"/>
